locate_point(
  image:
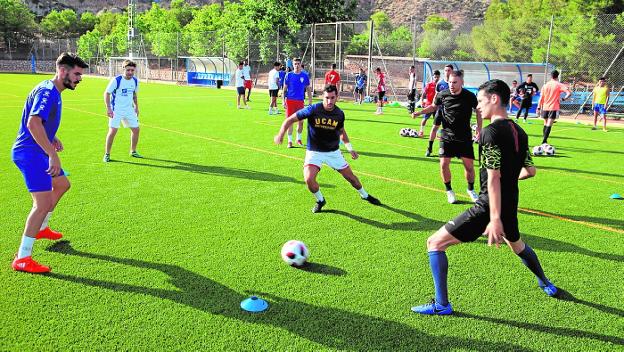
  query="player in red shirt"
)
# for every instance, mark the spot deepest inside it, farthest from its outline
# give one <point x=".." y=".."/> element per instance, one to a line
<point x="332" y="77"/>
<point x="427" y="98"/>
<point x="381" y="90"/>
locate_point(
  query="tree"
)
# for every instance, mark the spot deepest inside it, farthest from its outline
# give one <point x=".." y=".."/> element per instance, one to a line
<point x="200" y="35"/>
<point x="437" y="41"/>
<point x="88" y="21"/>
<point x="160" y="29"/>
<point x="60" y="24"/>
<point x="308" y="12"/>
<point x="16" y="21"/>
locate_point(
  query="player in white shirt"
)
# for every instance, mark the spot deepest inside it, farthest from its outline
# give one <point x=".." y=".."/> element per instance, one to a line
<point x="239" y="80"/>
<point x="273" y="82"/>
<point x="247" y="74"/>
<point x="122" y="105"/>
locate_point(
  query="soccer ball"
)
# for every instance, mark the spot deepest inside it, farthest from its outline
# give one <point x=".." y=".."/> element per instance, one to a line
<point x="538" y="150"/>
<point x="413" y="133"/>
<point x="404" y="132"/>
<point x="548" y="149"/>
<point x="295" y="253"/>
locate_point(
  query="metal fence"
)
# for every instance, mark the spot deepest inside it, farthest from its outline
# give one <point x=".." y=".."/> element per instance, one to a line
<point x="581" y="48"/>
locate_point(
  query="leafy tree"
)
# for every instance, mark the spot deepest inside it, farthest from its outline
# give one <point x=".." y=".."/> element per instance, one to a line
<point x="200" y="34"/>
<point x="88" y="21"/>
<point x="60" y="24"/>
<point x="89" y="44"/>
<point x="160" y="28"/>
<point x="16" y="21"/>
<point x="308" y="12"/>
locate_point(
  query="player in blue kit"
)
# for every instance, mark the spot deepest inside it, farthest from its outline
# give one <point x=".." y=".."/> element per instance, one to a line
<point x="325" y="130"/>
<point x="35" y="155"/>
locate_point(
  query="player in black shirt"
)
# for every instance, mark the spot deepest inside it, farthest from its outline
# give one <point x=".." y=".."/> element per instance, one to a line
<point x="325" y="130"/>
<point x="530" y="89"/>
<point x="456" y="141"/>
<point x="504" y="159"/>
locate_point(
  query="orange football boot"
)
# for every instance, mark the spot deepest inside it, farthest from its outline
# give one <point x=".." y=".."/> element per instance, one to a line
<point x="49" y="234"/>
<point x="28" y="265"/>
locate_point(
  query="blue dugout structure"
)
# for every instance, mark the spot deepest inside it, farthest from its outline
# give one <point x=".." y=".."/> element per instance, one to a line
<point x="209" y="71"/>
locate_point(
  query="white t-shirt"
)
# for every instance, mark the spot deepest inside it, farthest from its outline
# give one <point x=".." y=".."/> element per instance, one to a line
<point x="412" y="80"/>
<point x="122" y="99"/>
<point x="238" y="75"/>
<point x="247" y="72"/>
<point x="273" y="76"/>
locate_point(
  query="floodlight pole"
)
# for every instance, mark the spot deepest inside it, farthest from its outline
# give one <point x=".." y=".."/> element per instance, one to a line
<point x="370" y="57"/>
<point x="552" y="20"/>
<point x="131" y="13"/>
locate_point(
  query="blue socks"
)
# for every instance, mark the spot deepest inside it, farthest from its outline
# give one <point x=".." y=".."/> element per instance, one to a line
<point x="529" y="258"/>
<point x="439" y="269"/>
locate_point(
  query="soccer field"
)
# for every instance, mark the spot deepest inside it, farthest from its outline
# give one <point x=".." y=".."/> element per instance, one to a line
<point x="159" y="252"/>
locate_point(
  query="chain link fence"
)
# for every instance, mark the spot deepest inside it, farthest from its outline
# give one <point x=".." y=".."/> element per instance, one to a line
<point x="582" y="48"/>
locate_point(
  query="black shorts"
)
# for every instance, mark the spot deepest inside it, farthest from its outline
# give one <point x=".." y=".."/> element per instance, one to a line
<point x="273" y="92"/>
<point x="553" y="114"/>
<point x="526" y="103"/>
<point x="240" y="90"/>
<point x="438" y="117"/>
<point x="412" y="95"/>
<point x="470" y="225"/>
<point x="359" y="90"/>
<point x="456" y="150"/>
<point x="381" y="95"/>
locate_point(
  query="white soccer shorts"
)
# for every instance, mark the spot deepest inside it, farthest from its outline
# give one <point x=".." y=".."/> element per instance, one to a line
<point x="129" y="119"/>
<point x="334" y="159"/>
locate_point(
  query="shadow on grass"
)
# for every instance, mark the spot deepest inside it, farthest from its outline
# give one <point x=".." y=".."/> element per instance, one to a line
<point x="559" y="331"/>
<point x="318" y="268"/>
<point x="616" y="223"/>
<point x="549" y="244"/>
<point x="567" y="296"/>
<point x="420" y="222"/>
<point x="331" y="327"/>
<point x="404" y="124"/>
<point x="576" y="171"/>
<point x="245" y="174"/>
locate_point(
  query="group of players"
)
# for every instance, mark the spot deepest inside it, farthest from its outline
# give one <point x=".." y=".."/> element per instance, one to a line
<point x="503" y="154"/>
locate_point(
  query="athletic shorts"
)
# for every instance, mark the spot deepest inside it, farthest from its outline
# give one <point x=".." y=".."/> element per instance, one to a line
<point x="427" y="116"/>
<point x="292" y="106"/>
<point x="247" y="84"/>
<point x="470" y="225"/>
<point x="240" y="90"/>
<point x="33" y="166"/>
<point x="129" y="119"/>
<point x="359" y="90"/>
<point x="553" y="114"/>
<point x="438" y="117"/>
<point x="412" y="94"/>
<point x="273" y="93"/>
<point x="334" y="159"/>
<point x="456" y="149"/>
<point x="600" y="108"/>
<point x="526" y="103"/>
<point x="381" y="95"/>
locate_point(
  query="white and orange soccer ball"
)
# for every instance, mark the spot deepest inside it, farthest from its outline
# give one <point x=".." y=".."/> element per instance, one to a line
<point x="295" y="253"/>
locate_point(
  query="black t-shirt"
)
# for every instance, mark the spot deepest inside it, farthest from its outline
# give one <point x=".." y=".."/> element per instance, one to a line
<point x="324" y="127"/>
<point x="503" y="146"/>
<point x="456" y="114"/>
<point x="529" y="90"/>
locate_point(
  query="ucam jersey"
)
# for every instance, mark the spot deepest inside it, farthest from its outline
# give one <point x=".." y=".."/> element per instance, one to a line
<point x="122" y="91"/>
<point x="324" y="127"/>
<point x="43" y="101"/>
<point x="296" y="84"/>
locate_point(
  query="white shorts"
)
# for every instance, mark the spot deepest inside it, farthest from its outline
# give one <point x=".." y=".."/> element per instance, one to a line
<point x="129" y="119"/>
<point x="334" y="159"/>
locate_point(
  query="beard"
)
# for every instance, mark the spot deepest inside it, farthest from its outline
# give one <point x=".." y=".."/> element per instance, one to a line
<point x="67" y="83"/>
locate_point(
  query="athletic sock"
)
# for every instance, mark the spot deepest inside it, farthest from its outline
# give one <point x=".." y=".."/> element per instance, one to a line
<point x="448" y="186"/>
<point x="439" y="270"/>
<point x="289" y="138"/>
<point x="25" y="249"/>
<point x="430" y="146"/>
<point x="529" y="258"/>
<point x="44" y="224"/>
<point x="319" y="196"/>
<point x="546" y="133"/>
<point x="298" y="136"/>
<point x="363" y="193"/>
<point x="471" y="186"/>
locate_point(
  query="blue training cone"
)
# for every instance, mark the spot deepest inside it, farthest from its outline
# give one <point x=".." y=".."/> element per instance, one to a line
<point x="616" y="196"/>
<point x="254" y="304"/>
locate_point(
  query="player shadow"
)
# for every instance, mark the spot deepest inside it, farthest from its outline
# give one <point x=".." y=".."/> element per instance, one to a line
<point x="577" y="171"/>
<point x="567" y="296"/>
<point x="548" y="244"/>
<point x="420" y="222"/>
<point x="539" y="137"/>
<point x="331" y="327"/>
<point x="212" y="170"/>
<point x="590" y="151"/>
<point x="560" y="331"/>
<point x="385" y="122"/>
<point x="324" y="269"/>
<point x="616" y="223"/>
<point x="400" y="157"/>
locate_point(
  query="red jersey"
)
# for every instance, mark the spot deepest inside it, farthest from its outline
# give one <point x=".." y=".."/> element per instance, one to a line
<point x="381" y="86"/>
<point x="429" y="92"/>
<point x="332" y="77"/>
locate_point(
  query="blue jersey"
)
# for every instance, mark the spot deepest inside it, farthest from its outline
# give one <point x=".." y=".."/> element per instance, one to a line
<point x="43" y="101"/>
<point x="442" y="85"/>
<point x="282" y="75"/>
<point x="296" y="85"/>
<point x="324" y="127"/>
<point x="360" y="80"/>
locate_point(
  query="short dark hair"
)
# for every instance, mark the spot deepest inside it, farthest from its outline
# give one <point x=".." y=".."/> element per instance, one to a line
<point x="554" y="74"/>
<point x="240" y="63"/>
<point x="412" y="66"/>
<point x="127" y="63"/>
<point x="277" y="64"/>
<point x="70" y="60"/>
<point x="378" y="69"/>
<point x="514" y="81"/>
<point x="436" y="72"/>
<point x="603" y="78"/>
<point x="449" y="66"/>
<point x="529" y="75"/>
<point x="296" y="59"/>
<point x="334" y="66"/>
<point x="498" y="87"/>
<point x="458" y="73"/>
<point x="330" y="88"/>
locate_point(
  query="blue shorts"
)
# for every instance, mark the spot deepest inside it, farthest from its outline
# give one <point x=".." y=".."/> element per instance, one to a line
<point x="600" y="108"/>
<point x="240" y="90"/>
<point x="33" y="167"/>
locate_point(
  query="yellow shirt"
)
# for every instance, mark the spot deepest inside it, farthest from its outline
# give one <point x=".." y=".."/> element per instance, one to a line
<point x="600" y="95"/>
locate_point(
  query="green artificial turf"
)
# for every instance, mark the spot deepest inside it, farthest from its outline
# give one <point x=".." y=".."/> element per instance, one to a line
<point x="159" y="252"/>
